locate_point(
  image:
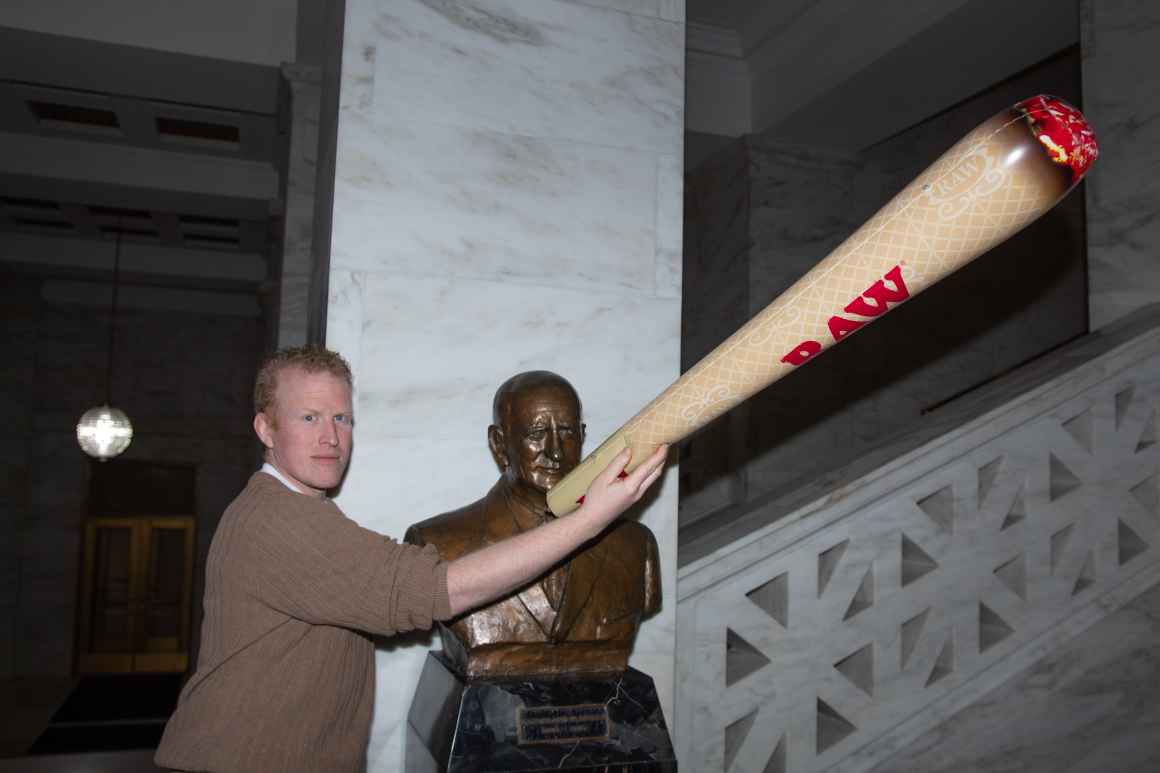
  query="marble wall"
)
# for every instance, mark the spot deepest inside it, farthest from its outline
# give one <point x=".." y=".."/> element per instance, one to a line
<point x="1121" y="87"/>
<point x="507" y="197"/>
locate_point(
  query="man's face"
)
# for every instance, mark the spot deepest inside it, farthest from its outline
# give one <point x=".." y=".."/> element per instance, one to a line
<point x="542" y="437"/>
<point x="309" y="436"/>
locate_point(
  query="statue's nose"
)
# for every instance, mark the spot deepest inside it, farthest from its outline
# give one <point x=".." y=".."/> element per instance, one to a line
<point x="552" y="446"/>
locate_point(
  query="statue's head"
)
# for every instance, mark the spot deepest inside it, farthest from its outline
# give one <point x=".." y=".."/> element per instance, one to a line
<point x="537" y="434"/>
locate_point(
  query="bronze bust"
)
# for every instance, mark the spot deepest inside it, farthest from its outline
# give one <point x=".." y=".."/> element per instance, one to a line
<point x="582" y="616"/>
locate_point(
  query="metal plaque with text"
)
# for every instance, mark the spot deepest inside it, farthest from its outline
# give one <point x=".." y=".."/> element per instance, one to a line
<point x="562" y="724"/>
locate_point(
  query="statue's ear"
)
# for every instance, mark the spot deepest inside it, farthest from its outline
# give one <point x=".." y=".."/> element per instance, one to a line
<point x="495" y="441"/>
<point x="583" y="432"/>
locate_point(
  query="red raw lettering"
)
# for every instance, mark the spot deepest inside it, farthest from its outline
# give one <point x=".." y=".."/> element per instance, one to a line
<point x="840" y="327"/>
<point x="879" y="293"/>
<point x="873" y="302"/>
<point x="802" y="352"/>
<point x="860" y="307"/>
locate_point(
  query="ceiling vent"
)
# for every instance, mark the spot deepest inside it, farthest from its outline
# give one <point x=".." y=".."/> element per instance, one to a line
<point x="125" y="231"/>
<point x="202" y="133"/>
<point x="204" y="240"/>
<point x="120" y="212"/>
<point x="43" y="223"/>
<point x="214" y="222"/>
<point x="54" y="115"/>
<point x="16" y="202"/>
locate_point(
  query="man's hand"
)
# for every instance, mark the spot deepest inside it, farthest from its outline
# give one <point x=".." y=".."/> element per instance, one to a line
<point x="483" y="576"/>
<point x="610" y="494"/>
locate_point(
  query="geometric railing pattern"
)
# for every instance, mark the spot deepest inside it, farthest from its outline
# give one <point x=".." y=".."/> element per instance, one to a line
<point x="799" y="660"/>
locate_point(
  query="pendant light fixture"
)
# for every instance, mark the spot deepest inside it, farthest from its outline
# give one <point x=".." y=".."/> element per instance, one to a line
<point x="105" y="432"/>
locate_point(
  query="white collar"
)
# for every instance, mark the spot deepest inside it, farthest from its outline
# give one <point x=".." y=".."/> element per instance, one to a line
<point x="275" y="472"/>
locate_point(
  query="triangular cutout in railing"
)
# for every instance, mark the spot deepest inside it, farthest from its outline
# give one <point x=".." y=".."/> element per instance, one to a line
<point x="776" y="763"/>
<point x="1080" y="428"/>
<point x="863" y="597"/>
<point x="1151" y="432"/>
<point x="858" y="668"/>
<point x="1016" y="513"/>
<point x="735" y="735"/>
<point x="832" y="726"/>
<point x="910" y="633"/>
<point x="992" y="628"/>
<point x="1059" y="542"/>
<point x="1123" y="400"/>
<point x="828" y="561"/>
<point x="1087" y="574"/>
<point x="1063" y="480"/>
<point x="940" y="508"/>
<point x="773" y="598"/>
<point x="741" y="658"/>
<point x="1131" y="544"/>
<point x="1013" y="574"/>
<point x="916" y="562"/>
<point x="1147" y="493"/>
<point x="944" y="665"/>
<point x="987" y="474"/>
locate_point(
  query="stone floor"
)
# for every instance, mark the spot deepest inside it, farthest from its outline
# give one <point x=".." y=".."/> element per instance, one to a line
<point x="137" y="761"/>
<point x="1092" y="706"/>
<point x="26" y="706"/>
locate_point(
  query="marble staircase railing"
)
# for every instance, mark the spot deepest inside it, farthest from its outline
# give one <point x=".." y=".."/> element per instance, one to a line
<point x="829" y="635"/>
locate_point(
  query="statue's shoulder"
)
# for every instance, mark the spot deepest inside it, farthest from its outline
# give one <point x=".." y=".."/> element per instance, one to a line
<point x="449" y="523"/>
<point x="634" y="532"/>
<point x="453" y="533"/>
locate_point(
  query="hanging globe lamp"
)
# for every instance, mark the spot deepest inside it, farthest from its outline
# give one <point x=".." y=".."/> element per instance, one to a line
<point x="105" y="432"/>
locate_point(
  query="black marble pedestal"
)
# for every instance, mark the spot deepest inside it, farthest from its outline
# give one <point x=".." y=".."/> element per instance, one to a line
<point x="601" y="724"/>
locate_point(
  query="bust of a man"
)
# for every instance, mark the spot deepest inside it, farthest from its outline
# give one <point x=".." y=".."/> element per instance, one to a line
<point x="582" y="616"/>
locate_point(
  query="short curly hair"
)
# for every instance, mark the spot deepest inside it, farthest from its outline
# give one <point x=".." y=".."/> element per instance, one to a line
<point x="312" y="359"/>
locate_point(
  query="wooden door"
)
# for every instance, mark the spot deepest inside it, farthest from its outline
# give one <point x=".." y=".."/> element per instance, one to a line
<point x="136" y="595"/>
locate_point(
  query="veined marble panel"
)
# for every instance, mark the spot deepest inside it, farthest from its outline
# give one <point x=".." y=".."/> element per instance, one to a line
<point x="429" y="354"/>
<point x="673" y="10"/>
<point x="1121" y="88"/>
<point x="508" y="196"/>
<point x="443" y="201"/>
<point x="826" y="642"/>
<point x="542" y="68"/>
<point x="421" y="386"/>
<point x="669" y="225"/>
<point x="345" y="318"/>
<point x="637" y="7"/>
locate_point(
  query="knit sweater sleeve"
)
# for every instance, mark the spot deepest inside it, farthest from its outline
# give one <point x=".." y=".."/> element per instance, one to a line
<point x="303" y="557"/>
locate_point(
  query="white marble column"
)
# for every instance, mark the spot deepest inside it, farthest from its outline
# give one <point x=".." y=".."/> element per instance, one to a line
<point x="299" y="175"/>
<point x="1121" y="87"/>
<point x="507" y="197"/>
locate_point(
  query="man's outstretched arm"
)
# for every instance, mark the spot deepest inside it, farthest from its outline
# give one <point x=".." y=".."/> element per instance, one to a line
<point x="496" y="570"/>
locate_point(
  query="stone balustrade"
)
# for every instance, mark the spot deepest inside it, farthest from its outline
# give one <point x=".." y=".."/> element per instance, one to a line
<point x="827" y="630"/>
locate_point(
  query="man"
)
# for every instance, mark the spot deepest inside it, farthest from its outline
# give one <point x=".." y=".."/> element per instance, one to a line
<point x="581" y="617"/>
<point x="294" y="589"/>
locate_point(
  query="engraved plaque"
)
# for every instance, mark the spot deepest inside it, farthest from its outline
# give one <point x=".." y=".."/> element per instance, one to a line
<point x="562" y="724"/>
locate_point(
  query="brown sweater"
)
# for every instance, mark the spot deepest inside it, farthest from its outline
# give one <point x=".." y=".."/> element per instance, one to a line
<point x="285" y="678"/>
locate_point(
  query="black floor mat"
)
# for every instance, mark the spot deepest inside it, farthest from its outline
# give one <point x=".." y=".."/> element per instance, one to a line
<point x="97" y="738"/>
<point x="115" y="712"/>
